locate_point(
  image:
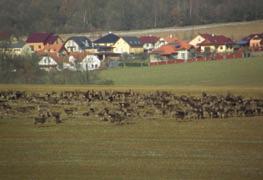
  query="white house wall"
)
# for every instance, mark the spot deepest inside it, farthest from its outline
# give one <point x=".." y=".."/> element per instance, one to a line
<point x="72" y="44"/>
<point x="184" y="54"/>
<point x="90" y="63"/>
<point x="47" y="61"/>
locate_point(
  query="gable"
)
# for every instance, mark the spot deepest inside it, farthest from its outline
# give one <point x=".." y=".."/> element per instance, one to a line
<point x="82" y="42"/>
<point x="197" y="40"/>
<point x="47" y="61"/>
<point x="121" y="43"/>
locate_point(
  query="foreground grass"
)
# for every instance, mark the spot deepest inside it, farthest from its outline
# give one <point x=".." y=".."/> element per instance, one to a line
<point x="247" y="91"/>
<point x="149" y="149"/>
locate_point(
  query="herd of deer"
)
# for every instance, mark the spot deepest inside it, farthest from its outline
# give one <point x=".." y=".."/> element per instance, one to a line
<point x="122" y="106"/>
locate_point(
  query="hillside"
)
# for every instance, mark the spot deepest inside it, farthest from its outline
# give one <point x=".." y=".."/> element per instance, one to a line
<point x="242" y="72"/>
<point x="235" y="30"/>
<point x="67" y="16"/>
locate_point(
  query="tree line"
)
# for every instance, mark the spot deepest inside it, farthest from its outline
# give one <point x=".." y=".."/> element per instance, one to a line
<point x="66" y="16"/>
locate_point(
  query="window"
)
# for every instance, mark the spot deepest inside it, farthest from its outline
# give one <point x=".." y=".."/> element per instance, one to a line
<point x="183" y="55"/>
<point x="39" y="46"/>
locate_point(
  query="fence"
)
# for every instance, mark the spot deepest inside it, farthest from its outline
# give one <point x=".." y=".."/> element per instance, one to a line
<point x="215" y="57"/>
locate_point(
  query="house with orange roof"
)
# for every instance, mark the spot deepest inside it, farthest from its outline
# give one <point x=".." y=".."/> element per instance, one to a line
<point x="180" y="50"/>
<point x="165" y="41"/>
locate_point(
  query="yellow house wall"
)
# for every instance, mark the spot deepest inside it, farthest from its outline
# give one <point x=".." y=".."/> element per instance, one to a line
<point x="219" y="49"/>
<point x="105" y="44"/>
<point x="121" y="46"/>
<point x="254" y="43"/>
<point x="36" y="46"/>
<point x="224" y="49"/>
<point x="212" y="48"/>
<point x="136" y="50"/>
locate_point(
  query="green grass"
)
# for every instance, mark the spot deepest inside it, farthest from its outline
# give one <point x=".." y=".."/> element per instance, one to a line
<point x="150" y="149"/>
<point x="240" y="76"/>
<point x="242" y="72"/>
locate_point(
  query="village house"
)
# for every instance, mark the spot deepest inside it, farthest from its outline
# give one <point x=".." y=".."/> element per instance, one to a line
<point x="90" y="63"/>
<point x="149" y="42"/>
<point x="128" y="45"/>
<point x="49" y="63"/>
<point x="45" y="42"/>
<point x="105" y="47"/>
<point x="252" y="41"/>
<point x="256" y="42"/>
<point x="165" y="41"/>
<point x="81" y="62"/>
<point x="180" y="50"/>
<point x="78" y="44"/>
<point x="211" y="43"/>
<point x="108" y="40"/>
<point x="18" y="49"/>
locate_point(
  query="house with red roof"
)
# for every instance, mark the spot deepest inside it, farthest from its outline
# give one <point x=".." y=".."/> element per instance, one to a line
<point x="45" y="42"/>
<point x="180" y="50"/>
<point x="212" y="43"/>
<point x="149" y="42"/>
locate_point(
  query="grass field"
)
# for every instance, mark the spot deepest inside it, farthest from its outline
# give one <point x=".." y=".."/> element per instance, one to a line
<point x="153" y="149"/>
<point x="240" y="72"/>
<point x="238" y="76"/>
<point x="148" y="149"/>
